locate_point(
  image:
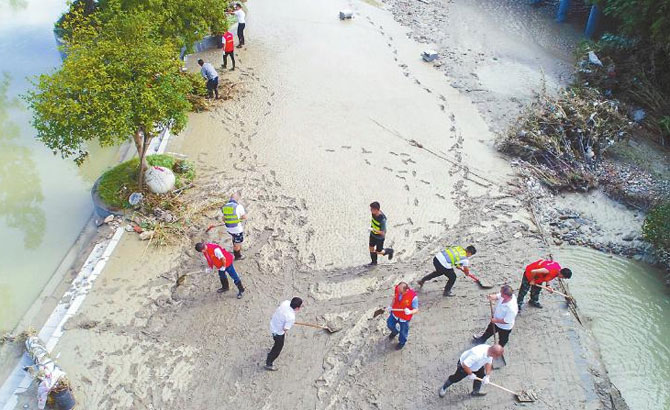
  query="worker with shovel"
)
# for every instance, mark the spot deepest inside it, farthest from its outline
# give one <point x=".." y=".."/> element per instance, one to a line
<point x="378" y="234"/>
<point x="445" y="262"/>
<point x="405" y="305"/>
<point x="221" y="259"/>
<point x="538" y="272"/>
<point x="282" y="320"/>
<point x="503" y="316"/>
<point x="475" y="364"/>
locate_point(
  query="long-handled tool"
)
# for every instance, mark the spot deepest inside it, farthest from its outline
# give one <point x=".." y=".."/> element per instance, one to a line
<point x="495" y="333"/>
<point x="328" y="328"/>
<point x="483" y="285"/>
<point x="555" y="291"/>
<point x="382" y="310"/>
<point x="527" y="396"/>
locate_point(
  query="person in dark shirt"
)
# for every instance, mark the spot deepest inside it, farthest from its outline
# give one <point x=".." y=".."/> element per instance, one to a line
<point x="378" y="234"/>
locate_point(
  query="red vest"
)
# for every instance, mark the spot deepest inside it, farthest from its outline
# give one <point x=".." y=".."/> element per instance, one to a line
<point x="405" y="302"/>
<point x="228" y="43"/>
<point x="213" y="261"/>
<point x="553" y="267"/>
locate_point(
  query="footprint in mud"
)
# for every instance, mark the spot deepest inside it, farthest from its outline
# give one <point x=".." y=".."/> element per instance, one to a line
<point x="425" y="182"/>
<point x="364" y="151"/>
<point x="443" y="98"/>
<point x="403" y="171"/>
<point x="408" y="161"/>
<point x="452" y="128"/>
<point x="417" y="81"/>
<point x="255" y="156"/>
<point x="406" y="233"/>
<point x="273" y="173"/>
<point x="393" y="153"/>
<point x="442" y="107"/>
<point x="272" y="94"/>
<point x="406" y="74"/>
<point x="345" y="146"/>
<point x="367" y="162"/>
<point x="330" y="150"/>
<point x="452" y="117"/>
<point x="269" y="103"/>
<point x="428" y="90"/>
<point x="406" y="187"/>
<point x="413" y="173"/>
<point x="395" y="59"/>
<point x="440" y="196"/>
<point x="401" y="177"/>
<point x="395" y="51"/>
<point x="404" y="154"/>
<point x="416" y="202"/>
<point x="388" y="169"/>
<point x="267" y="113"/>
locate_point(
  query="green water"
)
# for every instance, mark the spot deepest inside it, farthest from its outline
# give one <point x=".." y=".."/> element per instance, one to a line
<point x="44" y="200"/>
<point x="628" y="309"/>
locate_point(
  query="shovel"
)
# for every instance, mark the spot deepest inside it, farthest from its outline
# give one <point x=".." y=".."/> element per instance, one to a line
<point x="524" y="396"/>
<point x="328" y="328"/>
<point x="382" y="310"/>
<point x="483" y="285"/>
<point x="555" y="291"/>
<point x="495" y="334"/>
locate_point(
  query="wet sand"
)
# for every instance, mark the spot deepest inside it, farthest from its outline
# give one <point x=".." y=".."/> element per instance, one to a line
<point x="321" y="128"/>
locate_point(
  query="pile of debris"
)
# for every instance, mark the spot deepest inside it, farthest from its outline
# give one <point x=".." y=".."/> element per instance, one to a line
<point x="563" y="139"/>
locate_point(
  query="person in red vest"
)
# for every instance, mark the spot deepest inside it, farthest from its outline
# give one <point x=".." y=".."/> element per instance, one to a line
<point x="538" y="272"/>
<point x="405" y="305"/>
<point x="222" y="260"/>
<point x="228" y="49"/>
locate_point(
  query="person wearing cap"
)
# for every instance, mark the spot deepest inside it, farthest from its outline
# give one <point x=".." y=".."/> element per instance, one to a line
<point x="209" y="73"/>
<point x="473" y="364"/>
<point x="539" y="272"/>
<point x="241" y="16"/>
<point x="503" y="318"/>
<point x="222" y="260"/>
<point x="281" y="322"/>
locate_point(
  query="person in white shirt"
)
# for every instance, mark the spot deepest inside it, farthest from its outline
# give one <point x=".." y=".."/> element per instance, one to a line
<point x="233" y="215"/>
<point x="474" y="363"/>
<point x="240" y="15"/>
<point x="282" y="320"/>
<point x="445" y="261"/>
<point x="503" y="318"/>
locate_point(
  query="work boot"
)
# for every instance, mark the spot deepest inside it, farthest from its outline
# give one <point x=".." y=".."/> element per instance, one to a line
<point x="477" y="339"/>
<point x="232" y="69"/>
<point x="535" y="304"/>
<point x="477" y="393"/>
<point x="393" y="335"/>
<point x="271" y="367"/>
<point x="420" y="283"/>
<point x="225" y="286"/>
<point x="399" y="346"/>
<point x="445" y="386"/>
<point x="389" y="252"/>
<point x="448" y="293"/>
<point x="240" y="289"/>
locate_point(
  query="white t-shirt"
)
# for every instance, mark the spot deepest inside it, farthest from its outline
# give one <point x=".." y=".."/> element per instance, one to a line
<point x="447" y="263"/>
<point x="476" y="357"/>
<point x="240" y="14"/>
<point x="506" y="311"/>
<point x="283" y="318"/>
<point x="239" y="210"/>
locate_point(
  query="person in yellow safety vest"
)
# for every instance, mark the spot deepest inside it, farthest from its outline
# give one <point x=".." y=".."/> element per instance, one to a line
<point x="233" y="215"/>
<point x="378" y="234"/>
<point x="445" y="262"/>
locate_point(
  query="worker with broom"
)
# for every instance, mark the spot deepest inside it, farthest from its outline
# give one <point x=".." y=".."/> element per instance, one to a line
<point x="405" y="305"/>
<point x="538" y="272"/>
<point x="221" y="259"/>
<point x="474" y="364"/>
<point x="445" y="262"/>
<point x="503" y="318"/>
<point x="282" y="320"/>
<point x="378" y="234"/>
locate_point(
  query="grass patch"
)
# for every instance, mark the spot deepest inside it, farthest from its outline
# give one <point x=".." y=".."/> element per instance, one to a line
<point x="118" y="183"/>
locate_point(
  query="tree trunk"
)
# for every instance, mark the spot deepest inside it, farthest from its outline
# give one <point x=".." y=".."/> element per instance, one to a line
<point x="142" y="140"/>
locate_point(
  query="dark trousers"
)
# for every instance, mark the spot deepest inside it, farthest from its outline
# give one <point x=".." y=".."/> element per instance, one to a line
<point x="460" y="374"/>
<point x="439" y="271"/>
<point x="213" y="87"/>
<point x="525" y="287"/>
<point x="225" y="58"/>
<point x="502" y="334"/>
<point x="240" y="33"/>
<point x="276" y="349"/>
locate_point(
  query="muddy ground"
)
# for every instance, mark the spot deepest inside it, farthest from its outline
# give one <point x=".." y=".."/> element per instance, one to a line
<point x="330" y="116"/>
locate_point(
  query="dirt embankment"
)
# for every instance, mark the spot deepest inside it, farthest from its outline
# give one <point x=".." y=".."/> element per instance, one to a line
<point x="317" y="134"/>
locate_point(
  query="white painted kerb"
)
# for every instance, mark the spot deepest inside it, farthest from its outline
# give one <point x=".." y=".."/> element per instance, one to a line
<point x="19" y="381"/>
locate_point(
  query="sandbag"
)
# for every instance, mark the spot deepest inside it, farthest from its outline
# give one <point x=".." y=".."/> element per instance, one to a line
<point x="159" y="180"/>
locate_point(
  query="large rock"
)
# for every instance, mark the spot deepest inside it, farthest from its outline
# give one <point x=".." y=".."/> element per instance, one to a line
<point x="159" y="180"/>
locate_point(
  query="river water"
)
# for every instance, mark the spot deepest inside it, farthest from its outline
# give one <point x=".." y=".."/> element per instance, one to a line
<point x="44" y="200"/>
<point x="628" y="310"/>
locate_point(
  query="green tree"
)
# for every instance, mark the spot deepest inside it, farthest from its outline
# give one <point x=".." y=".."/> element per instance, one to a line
<point x="649" y="19"/>
<point x="656" y="226"/>
<point x="120" y="79"/>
